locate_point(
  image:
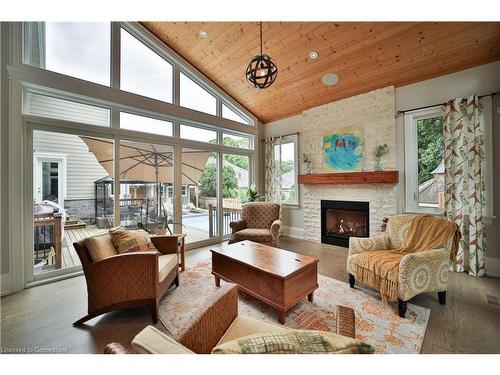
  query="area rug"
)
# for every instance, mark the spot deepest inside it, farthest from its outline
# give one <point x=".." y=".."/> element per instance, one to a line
<point x="376" y="323"/>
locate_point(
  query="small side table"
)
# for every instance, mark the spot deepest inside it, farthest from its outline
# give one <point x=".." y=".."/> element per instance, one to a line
<point x="181" y="240"/>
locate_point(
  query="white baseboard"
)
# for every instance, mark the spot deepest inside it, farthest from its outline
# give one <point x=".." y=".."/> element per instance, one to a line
<point x="5" y="284"/>
<point x="493" y="267"/>
<point x="294" y="232"/>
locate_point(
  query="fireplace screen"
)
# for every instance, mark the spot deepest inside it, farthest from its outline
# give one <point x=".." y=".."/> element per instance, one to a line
<point x="343" y="219"/>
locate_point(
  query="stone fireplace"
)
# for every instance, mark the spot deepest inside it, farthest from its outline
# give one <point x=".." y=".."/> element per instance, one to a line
<point x="343" y="219"/>
<point x="374" y="113"/>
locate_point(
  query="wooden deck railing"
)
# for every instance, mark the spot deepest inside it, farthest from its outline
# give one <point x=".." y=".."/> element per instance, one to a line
<point x="228" y="215"/>
<point x="47" y="234"/>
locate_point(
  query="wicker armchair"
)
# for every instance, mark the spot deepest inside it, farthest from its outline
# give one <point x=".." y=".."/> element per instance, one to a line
<point x="137" y="279"/>
<point x="215" y="323"/>
<point x="421" y="272"/>
<point x="259" y="223"/>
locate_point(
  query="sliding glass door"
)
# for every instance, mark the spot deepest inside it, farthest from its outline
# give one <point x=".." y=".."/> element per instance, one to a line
<point x="199" y="194"/>
<point x="66" y="199"/>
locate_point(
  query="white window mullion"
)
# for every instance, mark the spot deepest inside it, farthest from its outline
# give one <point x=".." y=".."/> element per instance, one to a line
<point x="115" y="54"/>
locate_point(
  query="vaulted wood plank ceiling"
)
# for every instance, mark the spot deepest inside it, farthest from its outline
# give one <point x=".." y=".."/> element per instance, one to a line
<point x="365" y="55"/>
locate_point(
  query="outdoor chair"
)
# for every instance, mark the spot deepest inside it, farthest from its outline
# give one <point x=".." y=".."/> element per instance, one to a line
<point x="129" y="280"/>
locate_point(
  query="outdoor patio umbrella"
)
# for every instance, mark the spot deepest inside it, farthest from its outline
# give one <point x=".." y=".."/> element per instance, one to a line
<point x="148" y="162"/>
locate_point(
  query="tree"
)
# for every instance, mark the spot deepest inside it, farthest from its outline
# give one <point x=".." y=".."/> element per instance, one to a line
<point x="208" y="182"/>
<point x="287" y="166"/>
<point x="430" y="146"/>
<point x="238" y="160"/>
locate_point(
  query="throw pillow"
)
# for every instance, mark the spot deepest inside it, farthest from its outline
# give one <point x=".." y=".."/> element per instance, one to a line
<point x="100" y="247"/>
<point x="127" y="241"/>
<point x="293" y="342"/>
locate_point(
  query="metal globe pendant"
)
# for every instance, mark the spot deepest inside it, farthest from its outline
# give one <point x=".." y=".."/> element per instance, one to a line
<point x="262" y="70"/>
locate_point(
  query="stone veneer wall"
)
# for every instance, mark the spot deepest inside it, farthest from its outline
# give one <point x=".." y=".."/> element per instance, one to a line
<point x="374" y="112"/>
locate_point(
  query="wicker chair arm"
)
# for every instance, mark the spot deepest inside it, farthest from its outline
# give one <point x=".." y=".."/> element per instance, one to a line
<point x="237" y="225"/>
<point x="123" y="277"/>
<point x="166" y="244"/>
<point x="115" y="348"/>
<point x="346" y="321"/>
<point x="275" y="228"/>
<point x="358" y="245"/>
<point x="210" y="323"/>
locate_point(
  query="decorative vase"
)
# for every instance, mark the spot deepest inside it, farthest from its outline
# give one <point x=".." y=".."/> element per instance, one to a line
<point x="308" y="167"/>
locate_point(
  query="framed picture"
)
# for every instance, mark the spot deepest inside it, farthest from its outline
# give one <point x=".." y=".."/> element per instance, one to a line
<point x="343" y="150"/>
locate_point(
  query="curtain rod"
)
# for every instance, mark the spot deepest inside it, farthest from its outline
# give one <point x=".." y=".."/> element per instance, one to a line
<point x="281" y="136"/>
<point x="435" y="105"/>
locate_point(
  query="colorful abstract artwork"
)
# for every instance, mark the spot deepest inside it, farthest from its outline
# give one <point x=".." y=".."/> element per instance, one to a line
<point x="343" y="150"/>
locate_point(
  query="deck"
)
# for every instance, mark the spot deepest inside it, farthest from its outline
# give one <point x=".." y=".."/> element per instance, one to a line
<point x="70" y="258"/>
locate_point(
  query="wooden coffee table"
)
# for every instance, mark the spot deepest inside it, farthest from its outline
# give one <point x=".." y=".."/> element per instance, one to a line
<point x="279" y="278"/>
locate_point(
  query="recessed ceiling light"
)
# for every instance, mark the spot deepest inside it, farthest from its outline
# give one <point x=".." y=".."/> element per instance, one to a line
<point x="203" y="33"/>
<point x="330" y="79"/>
<point x="313" y="55"/>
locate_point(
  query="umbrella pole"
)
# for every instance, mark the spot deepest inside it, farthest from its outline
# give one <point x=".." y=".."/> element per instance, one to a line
<point x="158" y="190"/>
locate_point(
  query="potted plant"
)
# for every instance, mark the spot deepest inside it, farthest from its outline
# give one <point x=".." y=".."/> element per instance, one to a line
<point x="251" y="194"/>
<point x="165" y="220"/>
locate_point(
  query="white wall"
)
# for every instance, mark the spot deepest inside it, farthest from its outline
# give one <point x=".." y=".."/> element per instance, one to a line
<point x="483" y="79"/>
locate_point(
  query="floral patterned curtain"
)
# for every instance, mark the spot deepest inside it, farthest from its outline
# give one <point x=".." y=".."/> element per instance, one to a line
<point x="464" y="179"/>
<point x="272" y="169"/>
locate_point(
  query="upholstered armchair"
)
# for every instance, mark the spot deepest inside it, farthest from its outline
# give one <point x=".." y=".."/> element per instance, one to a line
<point x="420" y="272"/>
<point x="259" y="223"/>
<point x="129" y="280"/>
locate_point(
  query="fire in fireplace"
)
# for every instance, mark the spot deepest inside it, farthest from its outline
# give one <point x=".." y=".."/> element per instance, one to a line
<point x="343" y="219"/>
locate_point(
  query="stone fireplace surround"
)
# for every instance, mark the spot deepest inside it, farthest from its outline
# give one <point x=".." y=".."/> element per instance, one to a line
<point x="374" y="112"/>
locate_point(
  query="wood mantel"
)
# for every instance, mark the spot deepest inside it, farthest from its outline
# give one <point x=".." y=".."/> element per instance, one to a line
<point x="382" y="177"/>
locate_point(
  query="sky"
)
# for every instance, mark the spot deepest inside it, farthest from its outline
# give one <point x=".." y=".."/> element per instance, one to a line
<point x="82" y="50"/>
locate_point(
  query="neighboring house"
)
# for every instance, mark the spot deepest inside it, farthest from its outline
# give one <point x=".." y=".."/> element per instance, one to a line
<point x="288" y="180"/>
<point x="430" y="191"/>
<point x="64" y="172"/>
<point x="242" y="175"/>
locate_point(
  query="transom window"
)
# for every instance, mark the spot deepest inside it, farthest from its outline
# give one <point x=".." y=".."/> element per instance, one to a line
<point x="196" y="97"/>
<point x="145" y="124"/>
<point x="143" y="71"/>
<point x="76" y="49"/>
<point x="232" y="115"/>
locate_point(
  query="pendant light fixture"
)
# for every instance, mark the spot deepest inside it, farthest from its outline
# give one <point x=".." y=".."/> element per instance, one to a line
<point x="262" y="70"/>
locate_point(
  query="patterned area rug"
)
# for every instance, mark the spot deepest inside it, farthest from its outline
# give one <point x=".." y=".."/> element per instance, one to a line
<point x="376" y="323"/>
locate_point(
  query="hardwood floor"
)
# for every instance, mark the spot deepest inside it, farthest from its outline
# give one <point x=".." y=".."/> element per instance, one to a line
<point x="40" y="318"/>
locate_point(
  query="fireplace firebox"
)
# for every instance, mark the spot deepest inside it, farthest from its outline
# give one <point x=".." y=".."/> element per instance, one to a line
<point x="343" y="219"/>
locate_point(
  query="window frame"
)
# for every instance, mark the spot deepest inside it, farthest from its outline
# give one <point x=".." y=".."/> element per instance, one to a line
<point x="26" y="78"/>
<point x="146" y="42"/>
<point x="411" y="159"/>
<point x="293" y="138"/>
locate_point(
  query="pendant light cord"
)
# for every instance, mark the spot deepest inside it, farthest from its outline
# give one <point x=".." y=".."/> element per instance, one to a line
<point x="261" y="38"/>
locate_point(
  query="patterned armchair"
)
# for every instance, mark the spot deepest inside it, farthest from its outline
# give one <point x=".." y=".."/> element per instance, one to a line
<point x="420" y="272"/>
<point x="259" y="223"/>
